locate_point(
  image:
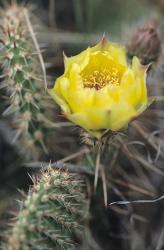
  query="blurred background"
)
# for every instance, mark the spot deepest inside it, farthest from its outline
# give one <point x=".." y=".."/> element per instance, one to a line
<point x="71" y="26"/>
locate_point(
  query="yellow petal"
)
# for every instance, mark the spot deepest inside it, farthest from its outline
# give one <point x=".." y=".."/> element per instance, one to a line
<point x="140" y="88"/>
<point x="75" y="78"/>
<point x="120" y="116"/>
<point x="101" y="46"/>
<point x="61" y="102"/>
<point x="118" y="53"/>
<point x="103" y="99"/>
<point x="115" y="51"/>
<point x="91" y="119"/>
<point x="127" y="79"/>
<point x="61" y="87"/>
<point x="78" y="101"/>
<point x="80" y="59"/>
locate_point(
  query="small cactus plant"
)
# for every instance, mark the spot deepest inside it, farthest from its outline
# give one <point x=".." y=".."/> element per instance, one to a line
<point x="52" y="214"/>
<point x="25" y="91"/>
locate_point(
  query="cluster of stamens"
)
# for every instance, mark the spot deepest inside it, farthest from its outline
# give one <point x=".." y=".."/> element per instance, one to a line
<point x="100" y="78"/>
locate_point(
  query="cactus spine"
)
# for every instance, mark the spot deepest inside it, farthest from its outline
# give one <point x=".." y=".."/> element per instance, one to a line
<point x="24" y="89"/>
<point x="52" y="214"/>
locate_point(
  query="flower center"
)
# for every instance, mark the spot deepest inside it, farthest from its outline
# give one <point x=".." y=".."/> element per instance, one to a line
<point x="100" y="78"/>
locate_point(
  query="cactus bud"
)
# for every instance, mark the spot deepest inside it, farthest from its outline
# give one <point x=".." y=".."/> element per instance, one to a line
<point x="145" y="43"/>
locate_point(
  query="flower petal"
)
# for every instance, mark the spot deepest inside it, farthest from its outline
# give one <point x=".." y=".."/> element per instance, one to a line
<point x="61" y="102"/>
<point x="80" y="59"/>
<point x="120" y="116"/>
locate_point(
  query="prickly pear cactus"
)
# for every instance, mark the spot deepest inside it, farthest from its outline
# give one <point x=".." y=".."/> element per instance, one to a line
<point x="52" y="214"/>
<point x="23" y="80"/>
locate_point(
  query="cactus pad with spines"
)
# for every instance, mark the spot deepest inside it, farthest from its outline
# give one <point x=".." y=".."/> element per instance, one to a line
<point x="53" y="214"/>
<point x="23" y="80"/>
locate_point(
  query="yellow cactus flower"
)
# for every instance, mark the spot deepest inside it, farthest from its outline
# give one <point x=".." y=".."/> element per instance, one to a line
<point x="99" y="91"/>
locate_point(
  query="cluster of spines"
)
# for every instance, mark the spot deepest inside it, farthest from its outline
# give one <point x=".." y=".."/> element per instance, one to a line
<point x="25" y="90"/>
<point x="52" y="215"/>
